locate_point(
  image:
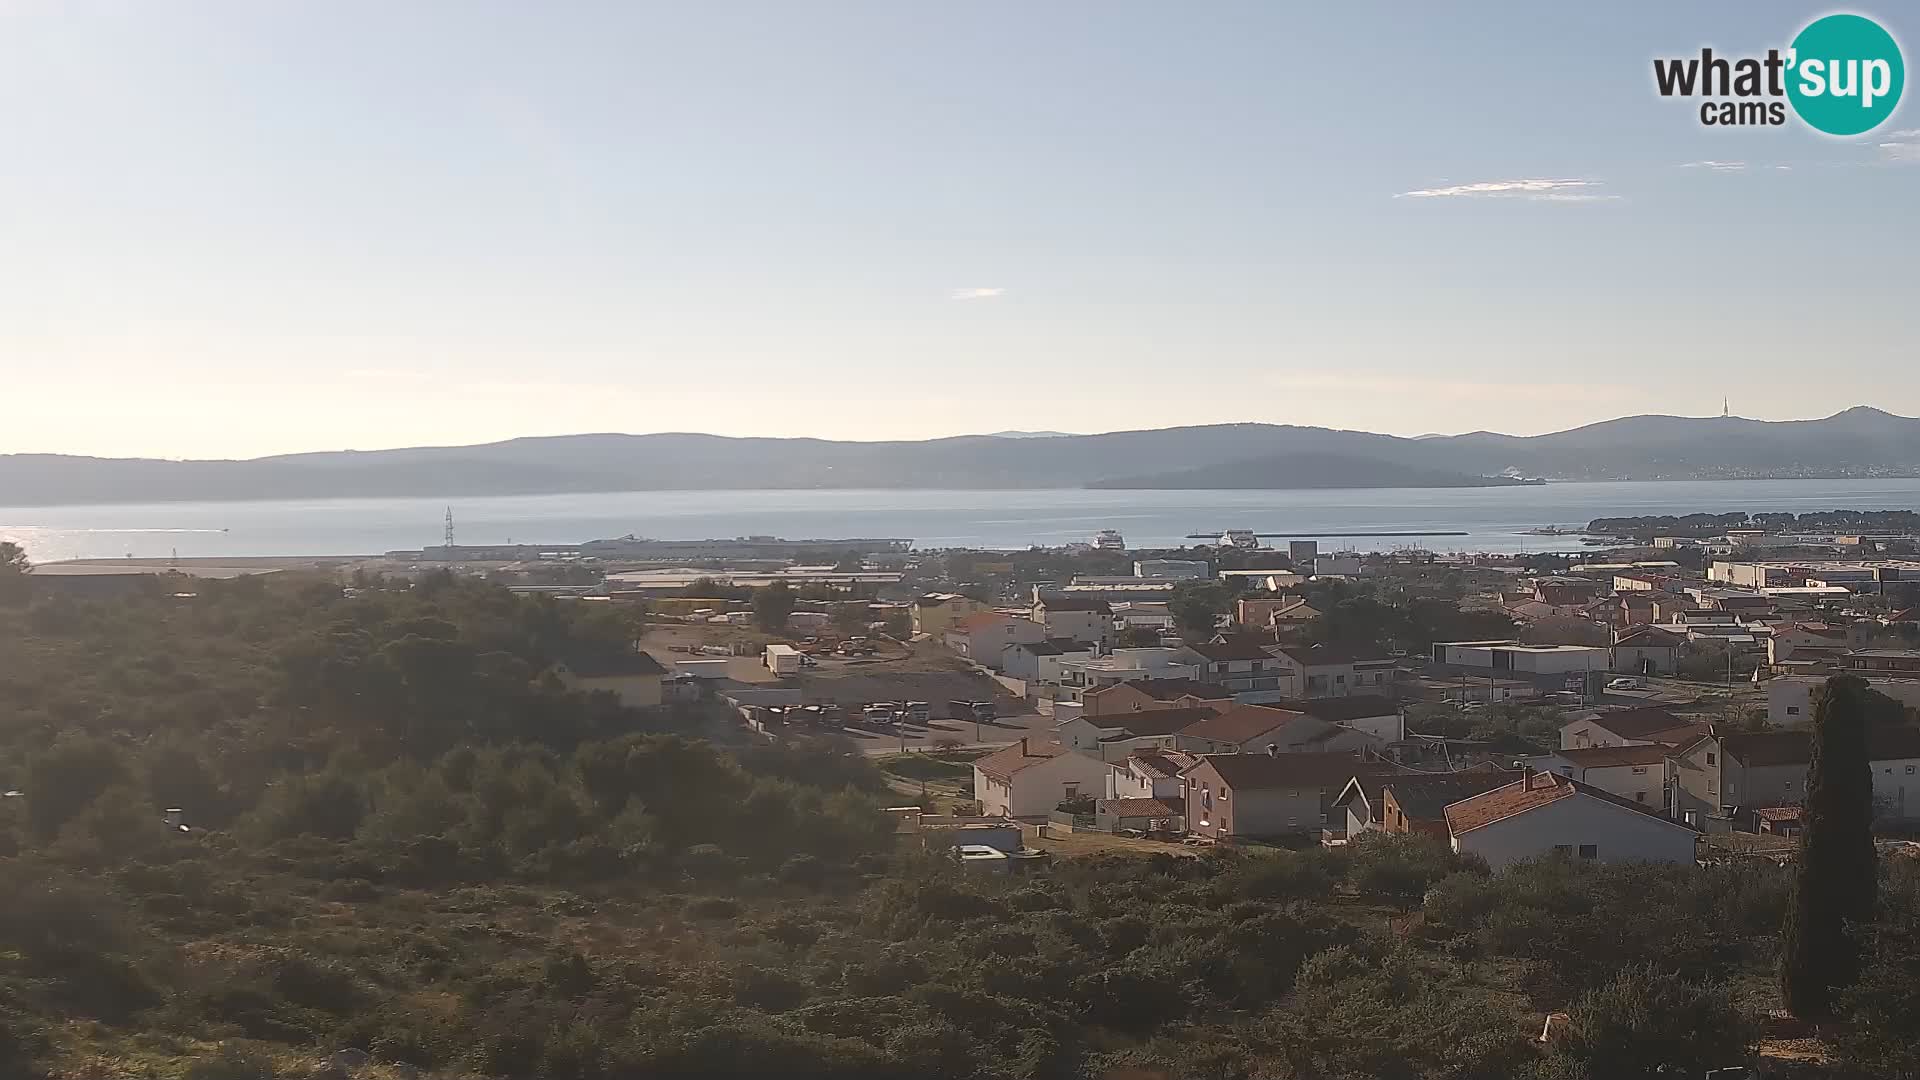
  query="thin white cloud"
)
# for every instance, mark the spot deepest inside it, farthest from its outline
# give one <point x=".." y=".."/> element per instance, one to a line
<point x="1902" y="146"/>
<point x="975" y="293"/>
<point x="1535" y="190"/>
<point x="1784" y="168"/>
<point x="1716" y="166"/>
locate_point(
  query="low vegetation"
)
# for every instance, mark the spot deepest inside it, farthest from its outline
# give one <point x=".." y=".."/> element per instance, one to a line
<point x="404" y="838"/>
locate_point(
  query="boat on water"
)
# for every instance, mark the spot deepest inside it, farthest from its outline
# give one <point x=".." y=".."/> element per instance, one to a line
<point x="1239" y="538"/>
<point x="1109" y="540"/>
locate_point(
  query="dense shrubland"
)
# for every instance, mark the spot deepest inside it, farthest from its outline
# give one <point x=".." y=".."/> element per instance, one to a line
<point x="405" y="839"/>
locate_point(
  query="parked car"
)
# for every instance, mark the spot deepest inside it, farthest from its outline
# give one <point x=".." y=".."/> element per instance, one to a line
<point x="883" y="713"/>
<point x="1625" y="684"/>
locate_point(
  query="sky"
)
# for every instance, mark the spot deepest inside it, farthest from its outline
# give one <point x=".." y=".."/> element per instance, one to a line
<point x="231" y="228"/>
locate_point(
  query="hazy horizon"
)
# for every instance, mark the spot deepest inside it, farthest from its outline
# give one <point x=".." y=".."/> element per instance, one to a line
<point x="238" y="230"/>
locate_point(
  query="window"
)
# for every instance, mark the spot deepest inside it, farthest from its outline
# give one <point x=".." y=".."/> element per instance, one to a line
<point x="1224" y="793"/>
<point x="1073" y="791"/>
<point x="1711" y="760"/>
<point x="1793" y="710"/>
<point x="1712" y="789"/>
<point x="1639" y="770"/>
<point x="1563" y="849"/>
<point x="1340" y="679"/>
<point x="1206" y="797"/>
<point x="1909" y="770"/>
<point x="1639" y="796"/>
<point x="1589" y="851"/>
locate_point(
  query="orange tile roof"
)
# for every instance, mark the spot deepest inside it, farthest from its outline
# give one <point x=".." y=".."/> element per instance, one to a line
<point x="1003" y="763"/>
<point x="1535" y="791"/>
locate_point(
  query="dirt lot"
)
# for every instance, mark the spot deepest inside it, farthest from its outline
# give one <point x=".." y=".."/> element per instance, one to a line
<point x="1083" y="844"/>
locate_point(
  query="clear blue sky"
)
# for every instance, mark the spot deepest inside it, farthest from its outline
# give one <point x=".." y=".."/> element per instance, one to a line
<point x="237" y="228"/>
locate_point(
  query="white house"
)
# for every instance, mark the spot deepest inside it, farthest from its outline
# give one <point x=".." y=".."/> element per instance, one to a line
<point x="1029" y="779"/>
<point x="1148" y="774"/>
<point x="1526" y="660"/>
<point x="1040" y="661"/>
<point x="1114" y="736"/>
<point x="983" y="638"/>
<point x="1320" y="672"/>
<point x="1128" y="665"/>
<point x="1790" y="697"/>
<point x="1075" y="618"/>
<point x="1645" y="726"/>
<point x="1257" y="729"/>
<point x="1376" y="715"/>
<point x="1646" y="650"/>
<point x="1544" y="814"/>
<point x="1637" y="774"/>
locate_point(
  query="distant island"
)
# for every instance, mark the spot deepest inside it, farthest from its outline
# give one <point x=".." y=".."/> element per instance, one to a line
<point x="1304" y="471"/>
<point x="1859" y="442"/>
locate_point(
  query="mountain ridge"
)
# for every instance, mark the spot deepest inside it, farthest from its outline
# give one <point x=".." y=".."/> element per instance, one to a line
<point x="1861" y="441"/>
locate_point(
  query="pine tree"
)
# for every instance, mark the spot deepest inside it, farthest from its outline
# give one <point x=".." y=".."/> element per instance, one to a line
<point x="1837" y="879"/>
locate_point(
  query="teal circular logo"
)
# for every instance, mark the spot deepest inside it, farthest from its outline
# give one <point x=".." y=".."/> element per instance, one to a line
<point x="1845" y="74"/>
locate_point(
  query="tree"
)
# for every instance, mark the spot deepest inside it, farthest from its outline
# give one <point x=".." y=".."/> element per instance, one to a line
<point x="1138" y="637"/>
<point x="1197" y="609"/>
<point x="771" y="607"/>
<point x="1837" y="877"/>
<point x="13" y="571"/>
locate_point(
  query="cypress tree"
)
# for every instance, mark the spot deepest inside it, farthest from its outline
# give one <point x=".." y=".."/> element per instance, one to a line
<point x="1837" y="879"/>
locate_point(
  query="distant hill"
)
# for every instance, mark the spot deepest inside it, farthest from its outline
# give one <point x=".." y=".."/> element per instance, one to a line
<point x="1304" y="471"/>
<point x="1857" y="442"/>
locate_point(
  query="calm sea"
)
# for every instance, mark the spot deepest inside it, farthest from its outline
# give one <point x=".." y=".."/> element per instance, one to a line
<point x="1494" y="519"/>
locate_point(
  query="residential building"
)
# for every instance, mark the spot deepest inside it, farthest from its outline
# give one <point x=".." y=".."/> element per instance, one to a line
<point x="983" y="638"/>
<point x="1241" y="665"/>
<point x="1173" y="569"/>
<point x="1030" y="778"/>
<point x="936" y="613"/>
<point x="1128" y="665"/>
<point x="1143" y="815"/>
<point x="1374" y="714"/>
<point x="1255" y="729"/>
<point x="1253" y="796"/>
<point x="633" y="677"/>
<point x="1645" y="726"/>
<point x="1154" y="694"/>
<point x="1646" y="650"/>
<point x="1418" y="804"/>
<point x="1113" y="736"/>
<point x="1727" y="776"/>
<point x="1564" y="592"/>
<point x="1148" y="774"/>
<point x="1275" y="612"/>
<point x="1319" y="672"/>
<point x="1545" y="814"/>
<point x="1637" y="773"/>
<point x="1531" y="661"/>
<point x="1075" y="618"/>
<point x="1790" y="697"/>
<point x="1135" y="615"/>
<point x="1039" y="661"/>
<point x="1865" y="661"/>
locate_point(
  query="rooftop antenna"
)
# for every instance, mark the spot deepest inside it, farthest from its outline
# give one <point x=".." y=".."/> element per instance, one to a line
<point x="1725" y="410"/>
<point x="447" y="537"/>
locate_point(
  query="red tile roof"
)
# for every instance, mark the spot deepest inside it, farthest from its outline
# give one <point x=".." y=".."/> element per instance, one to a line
<point x="980" y="620"/>
<point x="1161" y="764"/>
<point x="1239" y="724"/>
<point x="1535" y="791"/>
<point x="1003" y="763"/>
<point x="1147" y="722"/>
<point x="1257" y="771"/>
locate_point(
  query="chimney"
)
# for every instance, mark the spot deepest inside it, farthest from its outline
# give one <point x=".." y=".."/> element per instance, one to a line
<point x="1273" y="749"/>
<point x="1023" y="747"/>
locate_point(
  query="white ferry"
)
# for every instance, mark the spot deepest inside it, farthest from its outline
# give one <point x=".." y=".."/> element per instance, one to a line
<point x="1109" y="540"/>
